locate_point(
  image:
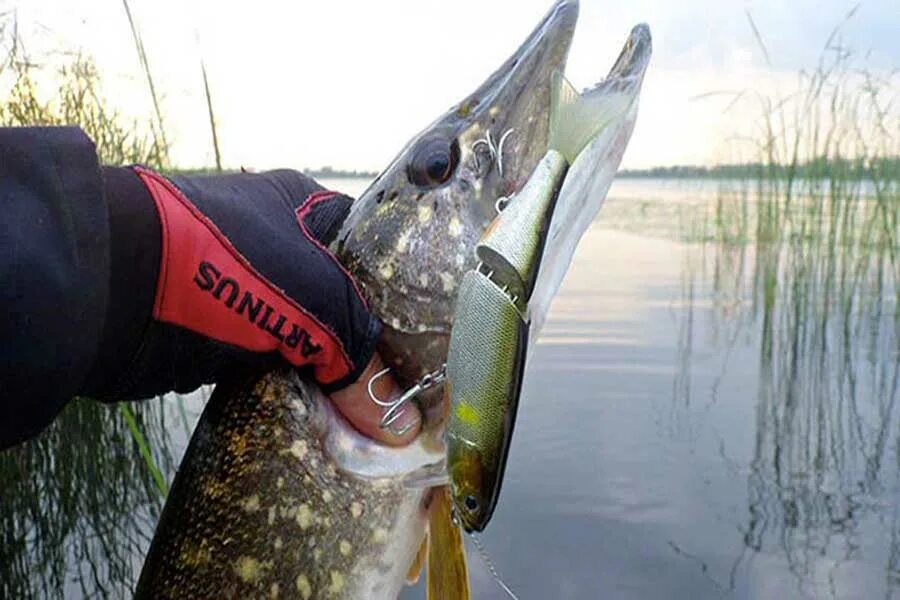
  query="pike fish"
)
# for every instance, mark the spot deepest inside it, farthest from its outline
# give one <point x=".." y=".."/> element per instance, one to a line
<point x="277" y="495"/>
<point x="496" y="310"/>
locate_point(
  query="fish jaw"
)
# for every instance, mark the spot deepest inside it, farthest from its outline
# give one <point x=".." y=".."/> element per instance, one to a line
<point x="627" y="73"/>
<point x="493" y="313"/>
<point x="590" y="175"/>
<point x="409" y="244"/>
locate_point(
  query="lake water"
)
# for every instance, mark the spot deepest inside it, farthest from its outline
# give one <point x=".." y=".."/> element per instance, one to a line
<point x="679" y="436"/>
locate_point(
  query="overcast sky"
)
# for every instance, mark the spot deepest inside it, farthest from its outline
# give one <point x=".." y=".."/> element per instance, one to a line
<point x="347" y="82"/>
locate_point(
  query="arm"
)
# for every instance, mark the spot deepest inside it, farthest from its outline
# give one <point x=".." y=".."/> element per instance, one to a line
<point x="54" y="265"/>
<point x="189" y="278"/>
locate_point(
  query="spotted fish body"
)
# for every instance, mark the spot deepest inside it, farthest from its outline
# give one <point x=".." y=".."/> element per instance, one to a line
<point x="277" y="496"/>
<point x="262" y="509"/>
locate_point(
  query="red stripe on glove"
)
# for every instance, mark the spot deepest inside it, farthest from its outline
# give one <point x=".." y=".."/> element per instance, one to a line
<point x="207" y="286"/>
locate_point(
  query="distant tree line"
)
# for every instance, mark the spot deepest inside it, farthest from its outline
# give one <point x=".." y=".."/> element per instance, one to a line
<point x="881" y="168"/>
<point x="324" y="172"/>
<point x="327" y="171"/>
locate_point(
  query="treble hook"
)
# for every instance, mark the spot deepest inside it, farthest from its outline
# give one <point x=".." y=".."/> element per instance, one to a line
<point x="495" y="150"/>
<point x="394" y="407"/>
<point x="492" y="150"/>
<point x="503" y="138"/>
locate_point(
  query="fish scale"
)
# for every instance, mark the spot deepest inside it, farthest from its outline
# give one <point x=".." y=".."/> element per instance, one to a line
<point x="258" y="502"/>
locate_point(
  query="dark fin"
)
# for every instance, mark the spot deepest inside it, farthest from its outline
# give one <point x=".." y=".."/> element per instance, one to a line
<point x="428" y="476"/>
<point x="448" y="575"/>
<point x="415" y="569"/>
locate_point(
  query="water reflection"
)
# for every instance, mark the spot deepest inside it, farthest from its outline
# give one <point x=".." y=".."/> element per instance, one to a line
<point x="78" y="504"/>
<point x="702" y="418"/>
<point x="823" y="319"/>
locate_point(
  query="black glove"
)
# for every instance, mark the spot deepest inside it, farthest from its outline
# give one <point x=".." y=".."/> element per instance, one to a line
<point x="234" y="270"/>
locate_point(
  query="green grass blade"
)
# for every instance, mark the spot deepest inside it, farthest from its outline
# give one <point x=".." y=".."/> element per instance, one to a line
<point x="144" y="448"/>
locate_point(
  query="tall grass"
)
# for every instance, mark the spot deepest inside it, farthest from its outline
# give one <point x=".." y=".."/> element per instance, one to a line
<point x="145" y="67"/>
<point x="76" y="100"/>
<point x="804" y="261"/>
<point x="140" y="440"/>
<point x="78" y="504"/>
<point x="212" y="117"/>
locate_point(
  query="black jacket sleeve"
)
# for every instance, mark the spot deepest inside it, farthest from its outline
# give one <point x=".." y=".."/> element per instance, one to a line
<point x="54" y="265"/>
<point x="80" y="252"/>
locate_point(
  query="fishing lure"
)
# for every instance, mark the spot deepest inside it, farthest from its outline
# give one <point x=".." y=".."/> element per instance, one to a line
<point x="492" y="319"/>
<point x="488" y="344"/>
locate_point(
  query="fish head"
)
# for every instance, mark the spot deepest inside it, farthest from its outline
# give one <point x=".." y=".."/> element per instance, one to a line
<point x="411" y="235"/>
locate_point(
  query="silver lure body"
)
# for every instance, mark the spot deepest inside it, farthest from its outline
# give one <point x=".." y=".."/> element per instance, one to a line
<point x="524" y="255"/>
<point x="488" y="343"/>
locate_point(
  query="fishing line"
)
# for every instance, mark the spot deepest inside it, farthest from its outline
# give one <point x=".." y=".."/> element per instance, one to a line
<point x="490" y="565"/>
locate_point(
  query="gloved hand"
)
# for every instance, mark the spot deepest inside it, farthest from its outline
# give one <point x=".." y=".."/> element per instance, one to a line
<point x="244" y="277"/>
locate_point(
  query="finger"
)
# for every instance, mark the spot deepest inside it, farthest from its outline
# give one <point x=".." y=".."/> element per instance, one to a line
<point x="322" y="214"/>
<point x="357" y="407"/>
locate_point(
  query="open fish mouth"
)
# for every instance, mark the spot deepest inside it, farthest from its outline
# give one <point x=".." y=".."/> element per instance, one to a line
<point x="589" y="177"/>
<point x="410" y="237"/>
<point x="523" y="257"/>
<point x="627" y="73"/>
<point x="277" y="493"/>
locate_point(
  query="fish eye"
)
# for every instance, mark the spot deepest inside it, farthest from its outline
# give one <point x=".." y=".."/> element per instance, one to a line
<point x="433" y="162"/>
<point x="471" y="503"/>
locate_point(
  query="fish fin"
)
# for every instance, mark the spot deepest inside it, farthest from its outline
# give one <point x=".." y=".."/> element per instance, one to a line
<point x="433" y="475"/>
<point x="576" y="119"/>
<point x="415" y="568"/>
<point x="448" y="575"/>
